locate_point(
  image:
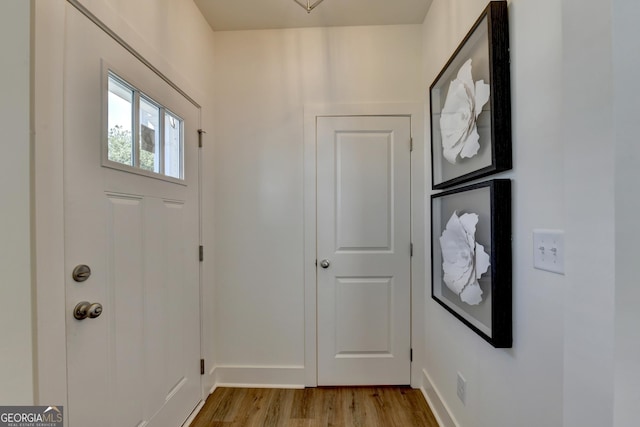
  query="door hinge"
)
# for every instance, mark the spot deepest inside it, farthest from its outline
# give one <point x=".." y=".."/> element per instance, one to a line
<point x="201" y="366"/>
<point x="411" y="249"/>
<point x="411" y="144"/>
<point x="411" y="355"/>
<point x="201" y="253"/>
<point x="200" y="132"/>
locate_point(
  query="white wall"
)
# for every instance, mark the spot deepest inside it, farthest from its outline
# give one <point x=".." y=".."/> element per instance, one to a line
<point x="626" y="63"/>
<point x="589" y="186"/>
<point x="16" y="345"/>
<point x="575" y="356"/>
<point x="263" y="81"/>
<point x="171" y="34"/>
<point x="522" y="386"/>
<point x="602" y="344"/>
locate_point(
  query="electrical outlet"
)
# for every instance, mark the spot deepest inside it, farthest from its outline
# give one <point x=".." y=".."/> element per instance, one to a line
<point x="461" y="388"/>
<point x="548" y="250"/>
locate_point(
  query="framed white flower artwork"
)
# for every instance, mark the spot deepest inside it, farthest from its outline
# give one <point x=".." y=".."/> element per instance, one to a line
<point x="470" y="104"/>
<point x="471" y="257"/>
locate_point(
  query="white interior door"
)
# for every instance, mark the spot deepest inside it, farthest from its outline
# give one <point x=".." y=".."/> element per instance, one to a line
<point x="363" y="226"/>
<point x="137" y="364"/>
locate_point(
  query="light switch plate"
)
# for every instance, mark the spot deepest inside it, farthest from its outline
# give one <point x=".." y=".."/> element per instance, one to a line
<point x="548" y="250"/>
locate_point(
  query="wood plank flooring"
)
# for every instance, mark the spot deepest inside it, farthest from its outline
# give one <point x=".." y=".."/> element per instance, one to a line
<point x="316" y="407"/>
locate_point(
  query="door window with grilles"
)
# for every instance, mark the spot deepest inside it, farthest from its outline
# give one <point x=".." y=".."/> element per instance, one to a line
<point x="142" y="135"/>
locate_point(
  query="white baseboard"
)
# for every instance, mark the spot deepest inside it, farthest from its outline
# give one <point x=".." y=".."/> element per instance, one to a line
<point x="438" y="406"/>
<point x="208" y="383"/>
<point x="198" y="408"/>
<point x="193" y="415"/>
<point x="213" y="388"/>
<point x="260" y="376"/>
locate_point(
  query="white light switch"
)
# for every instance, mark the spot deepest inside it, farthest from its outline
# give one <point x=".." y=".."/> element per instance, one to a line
<point x="548" y="250"/>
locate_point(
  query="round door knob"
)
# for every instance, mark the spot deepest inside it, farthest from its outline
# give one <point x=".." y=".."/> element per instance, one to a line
<point x="95" y="310"/>
<point x="85" y="309"/>
<point x="325" y="263"/>
<point x="81" y="310"/>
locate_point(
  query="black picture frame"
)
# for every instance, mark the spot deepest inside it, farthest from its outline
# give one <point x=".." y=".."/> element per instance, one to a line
<point x="487" y="46"/>
<point x="491" y="201"/>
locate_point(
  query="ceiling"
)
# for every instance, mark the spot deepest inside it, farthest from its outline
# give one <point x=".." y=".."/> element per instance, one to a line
<point x="226" y="15"/>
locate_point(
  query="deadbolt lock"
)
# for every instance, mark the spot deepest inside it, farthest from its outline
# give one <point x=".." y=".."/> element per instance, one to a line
<point x="81" y="273"/>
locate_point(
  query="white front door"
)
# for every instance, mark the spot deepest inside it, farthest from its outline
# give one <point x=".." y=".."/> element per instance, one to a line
<point x="137" y="364"/>
<point x="363" y="250"/>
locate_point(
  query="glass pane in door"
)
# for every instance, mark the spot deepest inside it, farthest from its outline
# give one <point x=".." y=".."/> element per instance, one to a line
<point x="120" y="122"/>
<point x="149" y="135"/>
<point x="172" y="145"/>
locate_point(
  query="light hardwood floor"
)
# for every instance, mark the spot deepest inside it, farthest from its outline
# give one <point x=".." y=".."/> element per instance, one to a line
<point x="316" y="407"/>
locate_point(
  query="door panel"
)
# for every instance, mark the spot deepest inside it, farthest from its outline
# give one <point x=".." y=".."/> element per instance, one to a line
<point x="137" y="364"/>
<point x="363" y="192"/>
<point x="124" y="283"/>
<point x="363" y="328"/>
<point x="363" y="214"/>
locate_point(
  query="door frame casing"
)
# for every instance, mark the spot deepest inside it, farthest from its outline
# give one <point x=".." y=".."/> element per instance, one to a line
<point x="48" y="172"/>
<point x="415" y="112"/>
